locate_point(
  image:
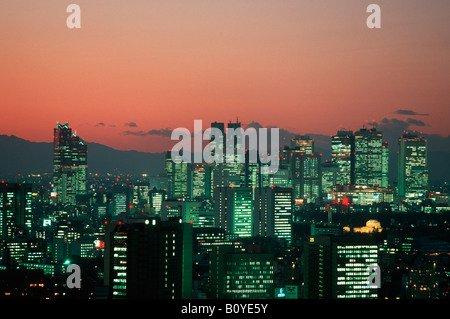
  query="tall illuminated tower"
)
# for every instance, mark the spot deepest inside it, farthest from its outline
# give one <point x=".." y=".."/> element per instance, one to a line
<point x="412" y="164"/>
<point x="368" y="157"/>
<point x="273" y="213"/>
<point x="303" y="144"/>
<point x="177" y="173"/>
<point x="335" y="267"/>
<point x="342" y="154"/>
<point x="15" y="209"/>
<point x="148" y="258"/>
<point x="235" y="274"/>
<point x="234" y="210"/>
<point x="69" y="166"/>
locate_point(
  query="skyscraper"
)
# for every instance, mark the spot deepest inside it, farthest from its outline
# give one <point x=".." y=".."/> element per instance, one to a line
<point x="15" y="209"/>
<point x="306" y="175"/>
<point x="385" y="165"/>
<point x="199" y="180"/>
<point x="342" y="154"/>
<point x="368" y="157"/>
<point x="149" y="258"/>
<point x="273" y="213"/>
<point x="122" y="199"/>
<point x="227" y="169"/>
<point x="412" y="164"/>
<point x="69" y="166"/>
<point x="177" y="173"/>
<point x="233" y="208"/>
<point x="336" y="267"/>
<point x="241" y="275"/>
<point x="303" y="144"/>
<point x="330" y="176"/>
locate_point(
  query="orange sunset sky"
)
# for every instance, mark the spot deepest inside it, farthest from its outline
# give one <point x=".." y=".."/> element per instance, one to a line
<point x="302" y="65"/>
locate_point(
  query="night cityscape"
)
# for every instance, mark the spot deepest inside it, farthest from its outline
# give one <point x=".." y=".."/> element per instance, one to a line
<point x="228" y="231"/>
<point x="225" y="157"/>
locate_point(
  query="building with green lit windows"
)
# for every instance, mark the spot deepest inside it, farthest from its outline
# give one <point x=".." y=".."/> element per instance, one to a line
<point x="369" y="157"/>
<point x="343" y="155"/>
<point x="336" y="267"/>
<point x="273" y="213"/>
<point x="149" y="258"/>
<point x="412" y="165"/>
<point x="235" y="274"/>
<point x="233" y="208"/>
<point x="69" y="166"/>
<point x="15" y="209"/>
<point x="177" y="173"/>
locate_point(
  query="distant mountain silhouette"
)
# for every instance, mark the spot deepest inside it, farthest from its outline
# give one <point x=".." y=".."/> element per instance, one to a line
<point x="19" y="156"/>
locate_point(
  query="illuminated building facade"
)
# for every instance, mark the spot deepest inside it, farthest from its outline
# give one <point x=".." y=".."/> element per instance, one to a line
<point x="352" y="261"/>
<point x="241" y="275"/>
<point x="412" y="165"/>
<point x="186" y="210"/>
<point x="273" y="213"/>
<point x="149" y="258"/>
<point x="15" y="209"/>
<point x="368" y="157"/>
<point x="199" y="180"/>
<point x="303" y="144"/>
<point x="69" y="166"/>
<point x="306" y="175"/>
<point x="335" y="267"/>
<point x="330" y="176"/>
<point x="343" y="155"/>
<point x="156" y="199"/>
<point x="234" y="210"/>
<point x="177" y="173"/>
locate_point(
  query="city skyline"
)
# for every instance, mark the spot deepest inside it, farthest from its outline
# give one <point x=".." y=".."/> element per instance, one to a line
<point x="320" y="171"/>
<point x="132" y="73"/>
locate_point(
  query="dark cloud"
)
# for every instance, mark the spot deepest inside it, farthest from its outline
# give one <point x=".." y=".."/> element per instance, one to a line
<point x="398" y="125"/>
<point x="131" y="124"/>
<point x="100" y="124"/>
<point x="161" y="132"/>
<point x="409" y="112"/>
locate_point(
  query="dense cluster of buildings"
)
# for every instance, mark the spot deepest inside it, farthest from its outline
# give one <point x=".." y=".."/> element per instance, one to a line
<point x="228" y="230"/>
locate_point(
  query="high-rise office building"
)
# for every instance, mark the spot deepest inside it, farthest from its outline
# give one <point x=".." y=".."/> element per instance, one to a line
<point x="342" y="154"/>
<point x="177" y="173"/>
<point x="385" y="165"/>
<point x="69" y="166"/>
<point x="303" y="144"/>
<point x="330" y="176"/>
<point x="186" y="210"/>
<point x="412" y="165"/>
<point x="199" y="180"/>
<point x="368" y="157"/>
<point x="122" y="199"/>
<point x="273" y="213"/>
<point x="241" y="275"/>
<point x="336" y="267"/>
<point x="157" y="197"/>
<point x="233" y="208"/>
<point x="15" y="209"/>
<point x="227" y="170"/>
<point x="307" y="176"/>
<point x="141" y="194"/>
<point x="149" y="258"/>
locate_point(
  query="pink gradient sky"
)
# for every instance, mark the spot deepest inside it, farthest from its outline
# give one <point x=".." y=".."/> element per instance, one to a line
<point x="305" y="66"/>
